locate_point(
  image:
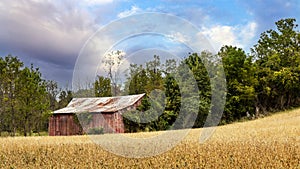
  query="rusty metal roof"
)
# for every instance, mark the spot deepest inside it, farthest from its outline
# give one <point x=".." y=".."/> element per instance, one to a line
<point x="99" y="104"/>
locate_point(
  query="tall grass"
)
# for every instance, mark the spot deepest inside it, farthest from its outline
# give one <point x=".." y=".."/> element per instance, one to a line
<point x="271" y="142"/>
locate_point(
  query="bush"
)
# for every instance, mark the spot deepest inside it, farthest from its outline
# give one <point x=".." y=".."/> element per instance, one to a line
<point x="96" y="130"/>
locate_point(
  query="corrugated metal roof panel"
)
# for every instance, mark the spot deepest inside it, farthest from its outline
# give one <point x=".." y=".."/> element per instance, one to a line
<point x="100" y="104"/>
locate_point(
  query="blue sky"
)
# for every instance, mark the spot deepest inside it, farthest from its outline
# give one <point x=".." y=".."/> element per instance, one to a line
<point x="50" y="34"/>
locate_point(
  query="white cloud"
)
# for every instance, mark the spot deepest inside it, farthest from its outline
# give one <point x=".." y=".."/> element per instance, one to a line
<point x="97" y="2"/>
<point x="132" y="11"/>
<point x="177" y="36"/>
<point x="220" y="35"/>
<point x="90" y="59"/>
<point x="247" y="33"/>
<point x="287" y="4"/>
<point x="238" y="35"/>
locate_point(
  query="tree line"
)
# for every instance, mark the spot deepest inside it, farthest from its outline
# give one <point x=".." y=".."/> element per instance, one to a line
<point x="258" y="83"/>
<point x="26" y="99"/>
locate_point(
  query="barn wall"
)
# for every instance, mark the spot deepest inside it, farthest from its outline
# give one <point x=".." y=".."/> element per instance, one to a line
<point x="63" y="125"/>
<point x="114" y="123"/>
<point x="111" y="122"/>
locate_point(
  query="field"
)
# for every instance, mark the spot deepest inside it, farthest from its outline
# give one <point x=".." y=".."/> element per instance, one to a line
<point x="270" y="142"/>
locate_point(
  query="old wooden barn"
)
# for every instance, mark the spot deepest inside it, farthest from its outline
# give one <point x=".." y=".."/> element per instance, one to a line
<point x="102" y="112"/>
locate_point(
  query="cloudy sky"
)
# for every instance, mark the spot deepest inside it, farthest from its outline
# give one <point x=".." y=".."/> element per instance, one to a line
<point x="51" y="33"/>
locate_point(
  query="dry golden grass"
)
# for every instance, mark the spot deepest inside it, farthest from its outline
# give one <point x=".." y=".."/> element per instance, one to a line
<point x="271" y="142"/>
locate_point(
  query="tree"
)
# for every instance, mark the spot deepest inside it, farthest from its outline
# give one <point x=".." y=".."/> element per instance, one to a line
<point x="168" y="78"/>
<point x="52" y="91"/>
<point x="154" y="73"/>
<point x="33" y="101"/>
<point x="241" y="81"/>
<point x="195" y="83"/>
<point x="102" y="87"/>
<point x="65" y="97"/>
<point x="11" y="67"/>
<point x="147" y="80"/>
<point x="173" y="102"/>
<point x="112" y="61"/>
<point x="3" y="116"/>
<point x="278" y="59"/>
<point x="138" y="80"/>
<point x="24" y="97"/>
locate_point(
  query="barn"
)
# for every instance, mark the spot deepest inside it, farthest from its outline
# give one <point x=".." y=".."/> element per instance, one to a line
<point x="98" y="112"/>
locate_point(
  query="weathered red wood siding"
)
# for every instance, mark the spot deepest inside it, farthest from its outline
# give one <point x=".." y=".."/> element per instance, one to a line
<point x="110" y="122"/>
<point x="113" y="123"/>
<point x="63" y="125"/>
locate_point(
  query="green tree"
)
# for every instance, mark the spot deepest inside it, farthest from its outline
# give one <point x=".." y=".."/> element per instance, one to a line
<point x="278" y="59"/>
<point x="33" y="101"/>
<point x="173" y="102"/>
<point x="11" y="67"/>
<point x="65" y="97"/>
<point x="52" y="91"/>
<point x="195" y="84"/>
<point x="138" y="80"/>
<point x="24" y="97"/>
<point x="147" y="80"/>
<point x="154" y="73"/>
<point x="239" y="70"/>
<point x="3" y="114"/>
<point x="102" y="87"/>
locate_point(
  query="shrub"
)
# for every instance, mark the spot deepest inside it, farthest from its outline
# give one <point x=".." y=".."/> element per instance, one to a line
<point x="96" y="130"/>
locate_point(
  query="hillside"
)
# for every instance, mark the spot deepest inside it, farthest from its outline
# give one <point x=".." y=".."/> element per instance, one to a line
<point x="270" y="142"/>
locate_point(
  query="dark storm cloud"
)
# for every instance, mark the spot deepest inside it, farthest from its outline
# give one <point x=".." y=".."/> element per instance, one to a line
<point x="49" y="33"/>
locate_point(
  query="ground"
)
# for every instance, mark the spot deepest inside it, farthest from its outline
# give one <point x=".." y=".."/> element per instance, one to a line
<point x="270" y="142"/>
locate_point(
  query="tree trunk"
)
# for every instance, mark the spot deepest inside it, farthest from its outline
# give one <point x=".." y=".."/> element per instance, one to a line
<point x="24" y="128"/>
<point x="288" y="100"/>
<point x="281" y="102"/>
<point x="13" y="121"/>
<point x="29" y="129"/>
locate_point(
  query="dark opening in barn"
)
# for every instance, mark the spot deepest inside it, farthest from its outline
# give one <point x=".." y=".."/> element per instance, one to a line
<point x="98" y="112"/>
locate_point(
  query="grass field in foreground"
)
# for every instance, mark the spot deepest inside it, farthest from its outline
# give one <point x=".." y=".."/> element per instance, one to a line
<point x="271" y="142"/>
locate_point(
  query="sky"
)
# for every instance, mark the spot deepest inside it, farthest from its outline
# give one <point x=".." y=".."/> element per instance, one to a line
<point x="53" y="34"/>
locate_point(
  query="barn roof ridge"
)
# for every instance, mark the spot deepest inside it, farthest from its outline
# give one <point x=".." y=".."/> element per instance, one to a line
<point x="100" y="104"/>
<point x="108" y="97"/>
